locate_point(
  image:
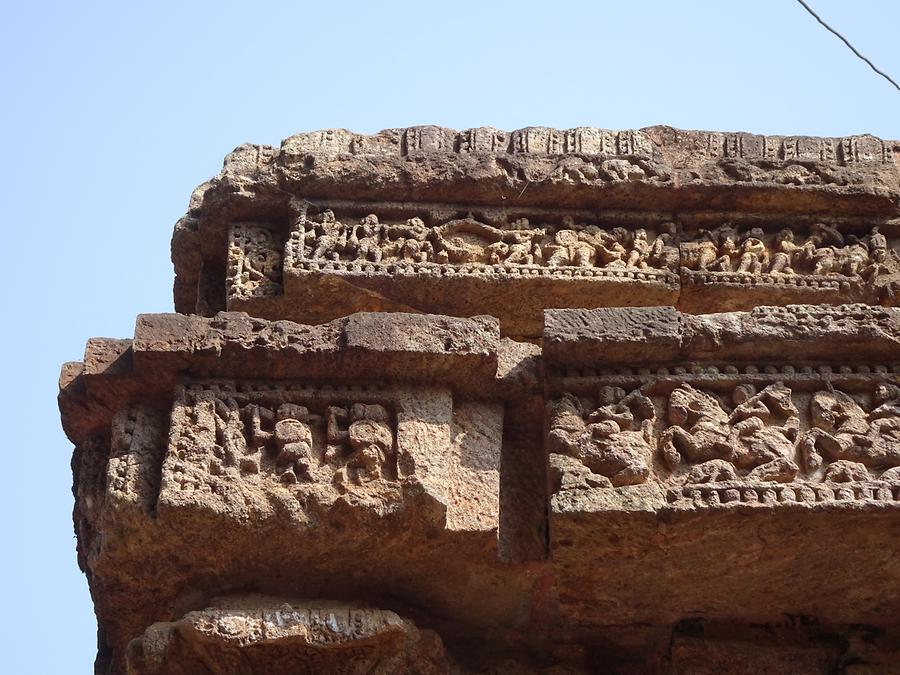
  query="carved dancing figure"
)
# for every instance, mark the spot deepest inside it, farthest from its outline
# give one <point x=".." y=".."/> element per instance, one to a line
<point x="614" y="440"/>
<point x="843" y="431"/>
<point x="750" y="437"/>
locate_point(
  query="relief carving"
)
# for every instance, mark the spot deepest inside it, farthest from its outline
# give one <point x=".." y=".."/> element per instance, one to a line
<point x="470" y="241"/>
<point x="758" y="435"/>
<point x="824" y="252"/>
<point x="255" y="261"/>
<point x="853" y="440"/>
<point x="354" y="443"/>
<point x="739" y="441"/>
<point x="331" y="440"/>
<point x="323" y="451"/>
<point x="612" y="440"/>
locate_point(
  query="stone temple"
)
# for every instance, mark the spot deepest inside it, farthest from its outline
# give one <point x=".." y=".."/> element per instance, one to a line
<point x="542" y="401"/>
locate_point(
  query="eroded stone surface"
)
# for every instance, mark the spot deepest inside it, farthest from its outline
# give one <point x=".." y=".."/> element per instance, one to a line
<point x="274" y="635"/>
<point x="654" y="456"/>
<point x="428" y="220"/>
<point x="553" y="401"/>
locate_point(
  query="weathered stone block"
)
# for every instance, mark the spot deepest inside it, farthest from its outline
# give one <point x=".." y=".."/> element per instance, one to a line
<point x="746" y="422"/>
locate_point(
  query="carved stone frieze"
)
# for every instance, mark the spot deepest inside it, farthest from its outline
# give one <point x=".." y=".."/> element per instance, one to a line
<point x="321" y="239"/>
<point x="409" y="256"/>
<point x="254" y="261"/>
<point x="252" y="450"/>
<point x="837" y="198"/>
<point x="724" y="432"/>
<point x="277" y="635"/>
<point x="555" y="401"/>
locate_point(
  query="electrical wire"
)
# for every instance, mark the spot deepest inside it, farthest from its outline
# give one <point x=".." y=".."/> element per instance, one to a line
<point x="846" y="42"/>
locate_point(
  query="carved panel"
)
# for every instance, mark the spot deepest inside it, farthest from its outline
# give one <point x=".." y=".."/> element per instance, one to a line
<point x="288" y="434"/>
<point x="591" y="141"/>
<point x="276" y="636"/>
<point x="332" y="240"/>
<point x="849" y="150"/>
<point x="719" y="434"/>
<point x="820" y="257"/>
<point x="255" y="261"/>
<point x="251" y="449"/>
<point x="138" y="442"/>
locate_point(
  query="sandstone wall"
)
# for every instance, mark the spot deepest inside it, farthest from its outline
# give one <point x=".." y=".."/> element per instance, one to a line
<point x="548" y="401"/>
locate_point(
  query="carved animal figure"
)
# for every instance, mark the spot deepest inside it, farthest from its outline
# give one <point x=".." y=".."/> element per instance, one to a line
<point x="842" y="430"/>
<point x="613" y="440"/>
<point x="750" y="437"/>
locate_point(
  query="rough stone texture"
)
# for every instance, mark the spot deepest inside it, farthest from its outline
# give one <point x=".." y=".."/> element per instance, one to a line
<point x="486" y="402"/>
<point x="507" y="224"/>
<point x="270" y="635"/>
<point x="738" y="448"/>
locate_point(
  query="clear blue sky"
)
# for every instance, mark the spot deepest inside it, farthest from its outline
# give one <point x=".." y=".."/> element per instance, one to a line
<point x="115" y="111"/>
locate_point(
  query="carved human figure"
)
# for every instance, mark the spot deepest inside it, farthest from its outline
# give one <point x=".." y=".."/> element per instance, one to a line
<point x="371" y="439"/>
<point x="408" y="241"/>
<point x="291" y="436"/>
<point x="785" y="249"/>
<point x="753" y="255"/>
<point x="842" y="430"/>
<point x="366" y="238"/>
<point x="852" y="258"/>
<point x="663" y="250"/>
<point x="610" y="247"/>
<point x="714" y="250"/>
<point x="230" y="430"/>
<point x="568" y="248"/>
<point x="254" y="259"/>
<point x="640" y="250"/>
<point x="758" y="435"/>
<point x="331" y="239"/>
<point x="614" y="440"/>
<point x="522" y="243"/>
<point x="878" y="246"/>
<point x="362" y="438"/>
<point x="465" y="240"/>
<point x="818" y="251"/>
<point x="879" y="259"/>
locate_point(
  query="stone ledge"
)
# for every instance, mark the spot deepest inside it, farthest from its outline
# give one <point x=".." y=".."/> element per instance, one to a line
<point x="662" y="335"/>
